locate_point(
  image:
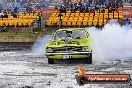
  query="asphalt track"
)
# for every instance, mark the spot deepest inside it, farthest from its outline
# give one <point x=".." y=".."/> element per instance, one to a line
<point x="21" y="68"/>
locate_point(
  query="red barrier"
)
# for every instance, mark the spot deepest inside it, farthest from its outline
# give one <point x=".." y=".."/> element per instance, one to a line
<point x="127" y="12"/>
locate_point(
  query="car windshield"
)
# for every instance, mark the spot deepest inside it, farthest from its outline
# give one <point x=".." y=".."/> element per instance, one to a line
<point x="73" y="34"/>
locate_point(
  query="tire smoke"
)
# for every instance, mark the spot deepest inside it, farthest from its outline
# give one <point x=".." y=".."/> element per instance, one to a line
<point x="111" y="43"/>
<point x="39" y="47"/>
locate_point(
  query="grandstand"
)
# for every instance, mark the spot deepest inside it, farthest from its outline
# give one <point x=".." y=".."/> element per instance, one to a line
<point x="21" y="20"/>
<point x="74" y="13"/>
<point x="86" y="13"/>
<point x="83" y="19"/>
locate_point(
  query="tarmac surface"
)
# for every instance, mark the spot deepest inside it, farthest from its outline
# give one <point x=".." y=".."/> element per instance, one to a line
<point x="21" y="68"/>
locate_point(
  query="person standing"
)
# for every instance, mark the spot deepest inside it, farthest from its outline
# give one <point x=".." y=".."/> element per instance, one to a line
<point x="39" y="19"/>
<point x="60" y="16"/>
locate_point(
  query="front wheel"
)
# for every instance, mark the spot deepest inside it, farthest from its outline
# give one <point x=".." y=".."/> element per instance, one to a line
<point x="51" y="61"/>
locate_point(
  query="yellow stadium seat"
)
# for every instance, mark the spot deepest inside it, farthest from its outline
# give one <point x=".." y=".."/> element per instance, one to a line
<point x="74" y="22"/>
<point x="1" y="23"/>
<point x="80" y="18"/>
<point x="51" y="18"/>
<point x="67" y="13"/>
<point x="77" y="11"/>
<point x="95" y="22"/>
<point x="71" y="18"/>
<point x="5" y="18"/>
<point x="100" y="23"/>
<point x="81" y="13"/>
<point x="63" y="13"/>
<point x="106" y="10"/>
<point x="110" y="15"/>
<point x="86" y="18"/>
<point x="79" y="22"/>
<point x="91" y="18"/>
<point x="53" y="14"/>
<point x="121" y="16"/>
<point x="20" y="16"/>
<point x="75" y="18"/>
<point x="6" y="22"/>
<point x="101" y="13"/>
<point x="29" y="23"/>
<point x="105" y="16"/>
<point x="69" y="22"/>
<point x="20" y="23"/>
<point x="77" y="15"/>
<point x="95" y="17"/>
<point x="11" y="23"/>
<point x="72" y="13"/>
<point x="64" y="22"/>
<point x="89" y="22"/>
<point x="54" y="22"/>
<point x="86" y="13"/>
<point x="14" y="23"/>
<point x="101" y="16"/>
<point x="85" y="22"/>
<point x="91" y="13"/>
<point x="115" y="15"/>
<point x="120" y="11"/>
<point x="105" y="21"/>
<point x="31" y="14"/>
<point x="24" y="22"/>
<point x="66" y="18"/>
<point x="96" y="13"/>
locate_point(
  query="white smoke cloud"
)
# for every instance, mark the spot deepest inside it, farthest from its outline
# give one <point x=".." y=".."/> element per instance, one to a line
<point x="39" y="46"/>
<point x="112" y="42"/>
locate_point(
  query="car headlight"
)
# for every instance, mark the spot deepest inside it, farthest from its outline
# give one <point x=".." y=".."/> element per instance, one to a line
<point x="49" y="50"/>
<point x="85" y="48"/>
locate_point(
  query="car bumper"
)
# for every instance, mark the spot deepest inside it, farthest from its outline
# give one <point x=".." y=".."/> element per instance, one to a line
<point x="69" y="55"/>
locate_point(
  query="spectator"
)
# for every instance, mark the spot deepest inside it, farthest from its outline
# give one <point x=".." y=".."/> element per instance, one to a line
<point x="1" y="14"/>
<point x="39" y="19"/>
<point x="127" y="21"/>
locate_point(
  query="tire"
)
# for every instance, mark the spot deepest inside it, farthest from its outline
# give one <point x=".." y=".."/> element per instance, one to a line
<point x="51" y="61"/>
<point x="90" y="59"/>
<point x="82" y="81"/>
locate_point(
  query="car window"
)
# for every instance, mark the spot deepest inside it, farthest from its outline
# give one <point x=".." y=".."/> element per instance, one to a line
<point x="60" y="34"/>
<point x="79" y="34"/>
<point x="74" y="33"/>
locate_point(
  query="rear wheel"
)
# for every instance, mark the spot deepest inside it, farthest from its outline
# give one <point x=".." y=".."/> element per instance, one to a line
<point x="90" y="59"/>
<point x="51" y="61"/>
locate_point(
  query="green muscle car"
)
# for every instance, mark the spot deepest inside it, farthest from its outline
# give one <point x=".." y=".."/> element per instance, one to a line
<point x="72" y="43"/>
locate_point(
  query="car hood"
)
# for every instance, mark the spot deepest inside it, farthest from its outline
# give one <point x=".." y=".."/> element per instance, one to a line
<point x="75" y="42"/>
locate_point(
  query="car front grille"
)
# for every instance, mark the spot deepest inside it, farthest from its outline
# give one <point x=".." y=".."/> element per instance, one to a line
<point x="66" y="49"/>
